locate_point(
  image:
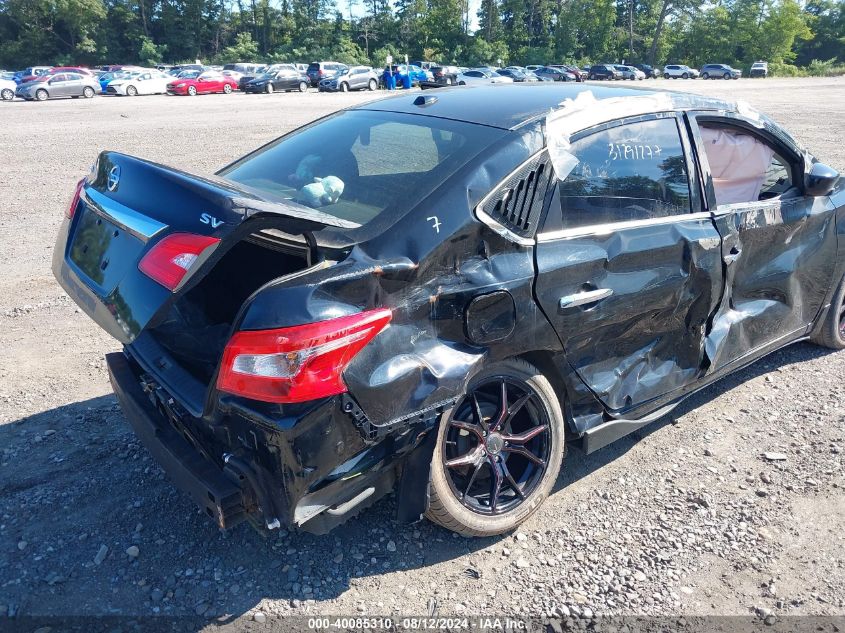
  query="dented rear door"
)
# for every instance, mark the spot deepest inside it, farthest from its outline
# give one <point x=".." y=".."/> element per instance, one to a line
<point x="629" y="264"/>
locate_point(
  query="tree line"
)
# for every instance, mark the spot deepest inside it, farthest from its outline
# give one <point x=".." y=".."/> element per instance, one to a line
<point x="795" y="38"/>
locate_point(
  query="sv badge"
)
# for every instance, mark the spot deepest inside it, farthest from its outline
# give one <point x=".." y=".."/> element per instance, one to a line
<point x="207" y="218"/>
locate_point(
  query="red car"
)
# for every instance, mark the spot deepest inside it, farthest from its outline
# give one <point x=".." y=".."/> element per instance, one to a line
<point x="205" y="83"/>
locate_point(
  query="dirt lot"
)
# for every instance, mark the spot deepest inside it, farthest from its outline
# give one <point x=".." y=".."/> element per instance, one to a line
<point x="686" y="517"/>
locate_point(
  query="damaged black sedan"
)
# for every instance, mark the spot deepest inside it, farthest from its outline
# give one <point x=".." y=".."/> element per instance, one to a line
<point x="436" y="294"/>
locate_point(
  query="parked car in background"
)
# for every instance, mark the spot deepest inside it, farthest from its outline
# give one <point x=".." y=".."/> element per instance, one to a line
<point x="516" y="74"/>
<point x="234" y="74"/>
<point x="604" y="71"/>
<point x="417" y="74"/>
<point x="143" y="82"/>
<point x="353" y="78"/>
<point x="679" y="71"/>
<point x="759" y="69"/>
<point x="31" y="73"/>
<point x="554" y="74"/>
<point x="244" y="68"/>
<point x="445" y="75"/>
<point x="533" y="67"/>
<point x="8" y="87"/>
<point x="482" y="76"/>
<point x="719" y="71"/>
<point x="629" y="72"/>
<point x="650" y="71"/>
<point x="580" y="75"/>
<point x="323" y="70"/>
<point x="282" y="79"/>
<point x="180" y="68"/>
<point x="70" y="69"/>
<point x="424" y="65"/>
<point x="207" y="82"/>
<point x="59" y="85"/>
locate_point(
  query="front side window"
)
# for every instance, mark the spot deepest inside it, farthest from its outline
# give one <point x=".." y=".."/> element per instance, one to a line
<point x="356" y="165"/>
<point x="743" y="166"/>
<point x="635" y="171"/>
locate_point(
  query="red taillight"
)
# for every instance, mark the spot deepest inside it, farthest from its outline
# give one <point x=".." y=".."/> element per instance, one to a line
<point x="170" y="260"/>
<point x="298" y="363"/>
<point x="75" y="202"/>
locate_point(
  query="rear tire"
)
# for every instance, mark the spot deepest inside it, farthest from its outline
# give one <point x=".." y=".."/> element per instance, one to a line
<point x="227" y="88"/>
<point x="592" y="77"/>
<point x="303" y="87"/>
<point x="372" y="85"/>
<point x="665" y="75"/>
<point x="344" y="87"/>
<point x="7" y="95"/>
<point x="705" y="75"/>
<point x="726" y="76"/>
<point x="269" y="89"/>
<point x="500" y="457"/>
<point x="41" y="95"/>
<point x="685" y="75"/>
<point x="88" y="92"/>
<point x="830" y="332"/>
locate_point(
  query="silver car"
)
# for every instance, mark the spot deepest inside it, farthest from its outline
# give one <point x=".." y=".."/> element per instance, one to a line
<point x="354" y="78"/>
<point x="67" y="84"/>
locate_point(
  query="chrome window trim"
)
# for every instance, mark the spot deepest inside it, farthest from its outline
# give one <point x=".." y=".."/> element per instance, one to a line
<point x="611" y="227"/>
<point x="137" y="224"/>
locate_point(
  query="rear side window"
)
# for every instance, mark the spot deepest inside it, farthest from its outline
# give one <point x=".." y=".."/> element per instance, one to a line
<point x="629" y="172"/>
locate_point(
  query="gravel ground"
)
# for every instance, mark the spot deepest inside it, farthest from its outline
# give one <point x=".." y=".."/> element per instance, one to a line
<point x="687" y="517"/>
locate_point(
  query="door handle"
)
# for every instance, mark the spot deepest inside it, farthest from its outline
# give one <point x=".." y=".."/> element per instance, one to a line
<point x="581" y="298"/>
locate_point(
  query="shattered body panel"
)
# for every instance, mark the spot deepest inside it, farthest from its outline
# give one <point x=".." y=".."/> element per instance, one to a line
<point x="624" y="318"/>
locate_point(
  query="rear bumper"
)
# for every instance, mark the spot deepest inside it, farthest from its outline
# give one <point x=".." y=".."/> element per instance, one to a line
<point x="210" y="488"/>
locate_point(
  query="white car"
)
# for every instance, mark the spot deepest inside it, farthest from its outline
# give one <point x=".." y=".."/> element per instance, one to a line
<point x="234" y="74"/>
<point x="674" y="71"/>
<point x="482" y="76"/>
<point x="146" y="82"/>
<point x="7" y="89"/>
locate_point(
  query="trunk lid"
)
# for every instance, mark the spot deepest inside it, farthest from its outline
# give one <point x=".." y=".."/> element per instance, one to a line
<point x="128" y="204"/>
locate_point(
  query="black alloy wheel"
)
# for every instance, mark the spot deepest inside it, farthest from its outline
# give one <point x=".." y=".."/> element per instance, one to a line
<point x="499" y="451"/>
<point x="497" y="446"/>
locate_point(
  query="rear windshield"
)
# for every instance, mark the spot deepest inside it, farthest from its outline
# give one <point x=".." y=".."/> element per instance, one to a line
<point x="358" y="164"/>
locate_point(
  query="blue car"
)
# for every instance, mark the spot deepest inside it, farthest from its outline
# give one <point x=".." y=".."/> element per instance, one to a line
<point x="417" y="74"/>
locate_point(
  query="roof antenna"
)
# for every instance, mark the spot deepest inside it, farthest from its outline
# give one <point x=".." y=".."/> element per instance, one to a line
<point x="424" y="102"/>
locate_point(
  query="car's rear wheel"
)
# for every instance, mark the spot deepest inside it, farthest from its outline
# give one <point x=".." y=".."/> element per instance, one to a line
<point x="449" y="81"/>
<point x="372" y="85"/>
<point x="726" y="76"/>
<point x="685" y="76"/>
<point x="665" y="75"/>
<point x="303" y="87"/>
<point x="131" y="91"/>
<point x="227" y="88"/>
<point x="7" y="94"/>
<point x="498" y="452"/>
<point x="592" y="77"/>
<point x="192" y="91"/>
<point x="41" y="95"/>
<point x="269" y="89"/>
<point x="88" y="92"/>
<point x="705" y="75"/>
<point x="831" y="331"/>
<point x="344" y="87"/>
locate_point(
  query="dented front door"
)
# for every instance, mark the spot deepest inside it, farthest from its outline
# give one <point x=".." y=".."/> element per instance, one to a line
<point x="629" y="265"/>
<point x="778" y="252"/>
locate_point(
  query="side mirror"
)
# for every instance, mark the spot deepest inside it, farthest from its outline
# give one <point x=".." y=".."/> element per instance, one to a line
<point x="821" y="180"/>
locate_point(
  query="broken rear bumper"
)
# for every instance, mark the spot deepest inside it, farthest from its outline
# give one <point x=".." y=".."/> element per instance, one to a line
<point x="211" y="489"/>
